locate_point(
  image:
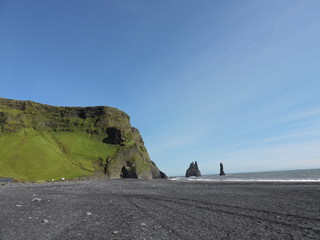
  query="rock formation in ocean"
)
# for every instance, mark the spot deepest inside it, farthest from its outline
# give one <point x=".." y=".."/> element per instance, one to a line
<point x="221" y="170"/>
<point x="39" y="141"/>
<point x="193" y="170"/>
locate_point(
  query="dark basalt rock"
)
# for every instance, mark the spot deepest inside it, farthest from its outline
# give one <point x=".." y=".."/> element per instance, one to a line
<point x="132" y="162"/>
<point x="162" y="175"/>
<point x="3" y="118"/>
<point x="193" y="170"/>
<point x="221" y="170"/>
<point x="114" y="136"/>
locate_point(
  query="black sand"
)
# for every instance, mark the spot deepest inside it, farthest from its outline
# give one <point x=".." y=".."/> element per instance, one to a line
<point x="160" y="209"/>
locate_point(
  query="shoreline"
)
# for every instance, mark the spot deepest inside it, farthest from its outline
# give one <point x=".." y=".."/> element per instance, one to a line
<point x="159" y="209"/>
<point x="186" y="180"/>
<point x="247" y="181"/>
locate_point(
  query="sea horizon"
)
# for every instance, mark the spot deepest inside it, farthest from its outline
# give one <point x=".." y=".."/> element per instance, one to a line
<point x="297" y="175"/>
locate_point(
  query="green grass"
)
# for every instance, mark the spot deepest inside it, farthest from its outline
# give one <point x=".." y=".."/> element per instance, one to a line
<point x="42" y="155"/>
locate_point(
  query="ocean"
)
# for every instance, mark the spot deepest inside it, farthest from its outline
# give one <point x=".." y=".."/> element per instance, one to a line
<point x="307" y="175"/>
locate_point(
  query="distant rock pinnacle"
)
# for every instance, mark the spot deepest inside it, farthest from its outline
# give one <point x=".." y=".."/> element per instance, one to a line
<point x="193" y="170"/>
<point x="221" y="170"/>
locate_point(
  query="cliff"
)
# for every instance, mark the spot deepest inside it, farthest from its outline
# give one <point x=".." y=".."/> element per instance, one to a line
<point x="39" y="141"/>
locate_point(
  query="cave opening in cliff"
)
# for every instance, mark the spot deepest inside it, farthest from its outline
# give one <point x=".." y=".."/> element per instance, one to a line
<point x="128" y="172"/>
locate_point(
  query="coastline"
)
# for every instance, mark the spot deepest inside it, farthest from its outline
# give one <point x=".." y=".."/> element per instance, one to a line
<point x="160" y="209"/>
<point x="244" y="180"/>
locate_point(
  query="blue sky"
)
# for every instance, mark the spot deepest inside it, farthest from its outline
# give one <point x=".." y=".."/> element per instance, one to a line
<point x="231" y="81"/>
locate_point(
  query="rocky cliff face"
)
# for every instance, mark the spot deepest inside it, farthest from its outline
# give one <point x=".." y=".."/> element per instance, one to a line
<point x="48" y="142"/>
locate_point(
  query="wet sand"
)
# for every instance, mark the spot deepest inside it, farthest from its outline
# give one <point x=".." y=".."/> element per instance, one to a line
<point x="159" y="209"/>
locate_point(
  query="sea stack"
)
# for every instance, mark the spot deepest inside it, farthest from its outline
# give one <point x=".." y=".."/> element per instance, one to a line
<point x="193" y="170"/>
<point x="222" y="173"/>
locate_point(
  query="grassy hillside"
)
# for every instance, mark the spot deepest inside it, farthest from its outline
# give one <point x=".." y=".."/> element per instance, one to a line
<point x="42" y="142"/>
<point x="34" y="155"/>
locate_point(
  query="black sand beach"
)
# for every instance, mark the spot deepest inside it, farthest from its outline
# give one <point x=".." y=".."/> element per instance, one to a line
<point x="159" y="209"/>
